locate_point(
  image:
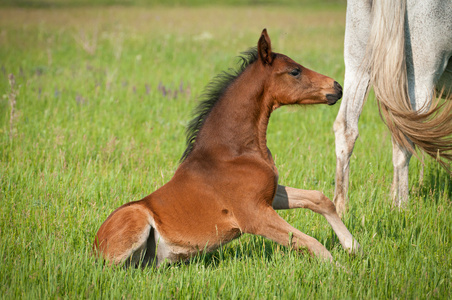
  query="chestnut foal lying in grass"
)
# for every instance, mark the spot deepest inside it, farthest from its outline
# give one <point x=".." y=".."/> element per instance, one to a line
<point x="227" y="182"/>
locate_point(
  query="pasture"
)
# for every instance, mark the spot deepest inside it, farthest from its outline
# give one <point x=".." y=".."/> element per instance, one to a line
<point x="102" y="97"/>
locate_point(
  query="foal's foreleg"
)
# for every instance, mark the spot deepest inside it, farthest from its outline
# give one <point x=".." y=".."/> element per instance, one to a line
<point x="275" y="228"/>
<point x="287" y="198"/>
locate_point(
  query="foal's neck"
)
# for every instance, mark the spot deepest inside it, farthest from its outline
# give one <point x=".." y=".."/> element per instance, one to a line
<point x="237" y="124"/>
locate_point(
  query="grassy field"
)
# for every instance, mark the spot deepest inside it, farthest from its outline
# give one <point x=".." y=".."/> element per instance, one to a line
<point x="102" y="98"/>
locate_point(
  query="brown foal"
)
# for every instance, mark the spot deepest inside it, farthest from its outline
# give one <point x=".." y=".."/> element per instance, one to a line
<point x="227" y="182"/>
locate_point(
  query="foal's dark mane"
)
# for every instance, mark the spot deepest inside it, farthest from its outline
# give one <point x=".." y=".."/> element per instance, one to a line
<point x="212" y="93"/>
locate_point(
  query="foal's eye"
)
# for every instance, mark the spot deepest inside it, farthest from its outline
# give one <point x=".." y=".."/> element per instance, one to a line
<point x="295" y="72"/>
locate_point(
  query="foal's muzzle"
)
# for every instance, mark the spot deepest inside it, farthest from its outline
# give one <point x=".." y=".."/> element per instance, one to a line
<point x="332" y="98"/>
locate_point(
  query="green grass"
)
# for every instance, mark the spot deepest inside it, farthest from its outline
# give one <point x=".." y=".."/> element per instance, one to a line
<point x="92" y="130"/>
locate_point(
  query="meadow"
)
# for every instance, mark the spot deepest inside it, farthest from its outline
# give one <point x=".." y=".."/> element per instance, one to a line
<point x="94" y="116"/>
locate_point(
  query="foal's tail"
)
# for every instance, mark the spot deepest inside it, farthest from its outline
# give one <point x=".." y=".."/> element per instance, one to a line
<point x="385" y="60"/>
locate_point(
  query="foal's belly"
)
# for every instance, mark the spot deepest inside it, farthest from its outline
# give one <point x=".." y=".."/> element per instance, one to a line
<point x="183" y="248"/>
<point x="187" y="236"/>
<point x="201" y="211"/>
<point x="194" y="222"/>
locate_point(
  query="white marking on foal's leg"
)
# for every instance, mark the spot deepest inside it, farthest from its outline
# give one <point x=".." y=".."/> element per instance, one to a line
<point x="345" y="237"/>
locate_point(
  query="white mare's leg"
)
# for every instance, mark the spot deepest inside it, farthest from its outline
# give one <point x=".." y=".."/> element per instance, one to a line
<point x="420" y="88"/>
<point x="346" y="132"/>
<point x="288" y="198"/>
<point x="428" y="48"/>
<point x="355" y="89"/>
<point x="400" y="160"/>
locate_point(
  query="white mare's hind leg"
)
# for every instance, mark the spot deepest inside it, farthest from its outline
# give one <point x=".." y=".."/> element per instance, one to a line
<point x="427" y="65"/>
<point x="420" y="89"/>
<point x="400" y="160"/>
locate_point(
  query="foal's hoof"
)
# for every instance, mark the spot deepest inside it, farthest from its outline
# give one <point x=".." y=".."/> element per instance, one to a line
<point x="353" y="247"/>
<point x="324" y="255"/>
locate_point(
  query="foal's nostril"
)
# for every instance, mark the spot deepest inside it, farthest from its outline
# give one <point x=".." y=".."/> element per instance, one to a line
<point x="332" y="98"/>
<point x="338" y="87"/>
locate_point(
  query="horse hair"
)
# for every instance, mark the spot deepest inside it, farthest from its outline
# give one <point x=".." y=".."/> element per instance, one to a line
<point x="212" y="93"/>
<point x="429" y="128"/>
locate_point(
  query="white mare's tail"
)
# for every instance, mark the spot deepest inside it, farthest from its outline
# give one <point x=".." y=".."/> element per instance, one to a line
<point x="430" y="128"/>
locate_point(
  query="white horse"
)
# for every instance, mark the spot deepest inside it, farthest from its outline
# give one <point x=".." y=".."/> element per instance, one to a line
<point x="403" y="49"/>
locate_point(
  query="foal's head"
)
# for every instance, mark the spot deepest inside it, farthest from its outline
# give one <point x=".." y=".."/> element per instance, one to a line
<point x="289" y="82"/>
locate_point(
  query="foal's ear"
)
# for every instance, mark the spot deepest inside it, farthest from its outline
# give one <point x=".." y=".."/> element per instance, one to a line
<point x="264" y="48"/>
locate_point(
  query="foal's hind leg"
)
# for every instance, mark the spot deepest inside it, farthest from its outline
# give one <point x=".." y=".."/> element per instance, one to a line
<point x="287" y="198"/>
<point x="127" y="237"/>
<point x="270" y="225"/>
